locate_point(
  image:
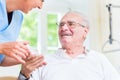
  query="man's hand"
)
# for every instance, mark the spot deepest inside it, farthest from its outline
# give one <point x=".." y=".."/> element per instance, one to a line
<point x="16" y="50"/>
<point x="31" y="64"/>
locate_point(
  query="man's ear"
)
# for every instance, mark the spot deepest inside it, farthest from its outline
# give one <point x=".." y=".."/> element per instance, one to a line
<point x="86" y="30"/>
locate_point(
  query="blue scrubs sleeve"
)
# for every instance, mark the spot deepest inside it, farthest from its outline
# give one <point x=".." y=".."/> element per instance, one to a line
<point x="1" y="58"/>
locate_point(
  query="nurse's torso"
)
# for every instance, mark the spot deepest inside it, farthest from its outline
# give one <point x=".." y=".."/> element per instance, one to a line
<point x="9" y="32"/>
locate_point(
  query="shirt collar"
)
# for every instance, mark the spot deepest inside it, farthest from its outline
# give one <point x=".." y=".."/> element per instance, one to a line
<point x="62" y="53"/>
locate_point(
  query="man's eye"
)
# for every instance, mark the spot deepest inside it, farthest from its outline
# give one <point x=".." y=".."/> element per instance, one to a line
<point x="62" y="24"/>
<point x="70" y="24"/>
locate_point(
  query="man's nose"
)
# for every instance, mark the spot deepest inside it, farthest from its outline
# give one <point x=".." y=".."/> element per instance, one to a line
<point x="65" y="26"/>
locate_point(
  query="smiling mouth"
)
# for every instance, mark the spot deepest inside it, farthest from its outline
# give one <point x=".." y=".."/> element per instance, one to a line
<point x="66" y="35"/>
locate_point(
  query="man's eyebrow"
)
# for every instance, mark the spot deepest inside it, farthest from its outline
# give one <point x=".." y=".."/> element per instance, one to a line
<point x="71" y="21"/>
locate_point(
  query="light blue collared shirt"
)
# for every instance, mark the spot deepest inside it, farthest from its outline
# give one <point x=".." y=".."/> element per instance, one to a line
<point x="9" y="32"/>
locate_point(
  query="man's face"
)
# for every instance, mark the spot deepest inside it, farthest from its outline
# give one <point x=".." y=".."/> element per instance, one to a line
<point x="71" y="30"/>
<point x="30" y="4"/>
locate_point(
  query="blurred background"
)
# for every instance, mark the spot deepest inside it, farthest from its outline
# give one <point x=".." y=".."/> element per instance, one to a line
<point x="40" y="29"/>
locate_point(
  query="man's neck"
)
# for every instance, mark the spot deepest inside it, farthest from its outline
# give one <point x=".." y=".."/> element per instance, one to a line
<point x="73" y="52"/>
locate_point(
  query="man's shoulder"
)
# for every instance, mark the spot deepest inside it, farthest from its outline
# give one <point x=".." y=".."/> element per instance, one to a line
<point x="95" y="53"/>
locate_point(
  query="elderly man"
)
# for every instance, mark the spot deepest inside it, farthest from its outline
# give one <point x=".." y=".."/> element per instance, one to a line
<point x="72" y="61"/>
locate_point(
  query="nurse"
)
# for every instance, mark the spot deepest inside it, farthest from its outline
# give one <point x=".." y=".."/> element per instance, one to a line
<point x="11" y="17"/>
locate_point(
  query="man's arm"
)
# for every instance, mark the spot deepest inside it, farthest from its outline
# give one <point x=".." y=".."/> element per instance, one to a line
<point x="32" y="63"/>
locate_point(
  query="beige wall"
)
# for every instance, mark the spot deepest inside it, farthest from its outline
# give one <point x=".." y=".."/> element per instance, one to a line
<point x="95" y="29"/>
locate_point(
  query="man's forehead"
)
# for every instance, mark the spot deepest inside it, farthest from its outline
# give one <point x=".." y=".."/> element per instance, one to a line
<point x="72" y="14"/>
<point x="71" y="18"/>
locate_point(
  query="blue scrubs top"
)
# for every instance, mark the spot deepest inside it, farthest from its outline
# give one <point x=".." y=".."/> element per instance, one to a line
<point x="9" y="32"/>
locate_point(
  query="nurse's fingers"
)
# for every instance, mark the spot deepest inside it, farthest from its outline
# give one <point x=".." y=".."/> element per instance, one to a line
<point x="18" y="58"/>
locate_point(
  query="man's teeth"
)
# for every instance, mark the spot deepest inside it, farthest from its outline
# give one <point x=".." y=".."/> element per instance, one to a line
<point x="66" y="34"/>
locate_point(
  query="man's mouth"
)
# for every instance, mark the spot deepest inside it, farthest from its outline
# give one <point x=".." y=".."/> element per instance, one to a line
<point x="66" y="35"/>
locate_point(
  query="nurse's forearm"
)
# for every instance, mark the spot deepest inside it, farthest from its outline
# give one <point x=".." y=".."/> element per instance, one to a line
<point x="0" y="48"/>
<point x="9" y="62"/>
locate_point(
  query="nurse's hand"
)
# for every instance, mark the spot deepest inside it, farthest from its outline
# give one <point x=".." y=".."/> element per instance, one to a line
<point x="16" y="50"/>
<point x="31" y="64"/>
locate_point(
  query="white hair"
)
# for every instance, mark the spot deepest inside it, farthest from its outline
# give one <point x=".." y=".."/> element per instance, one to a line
<point x="82" y="16"/>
